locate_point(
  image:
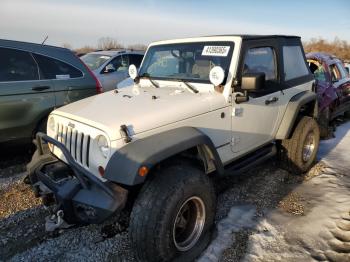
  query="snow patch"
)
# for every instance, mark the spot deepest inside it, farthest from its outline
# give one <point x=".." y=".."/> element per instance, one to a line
<point x="335" y="152"/>
<point x="313" y="236"/>
<point x="239" y="217"/>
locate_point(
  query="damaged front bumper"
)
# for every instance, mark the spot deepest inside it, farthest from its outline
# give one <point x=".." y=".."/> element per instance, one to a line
<point x="79" y="194"/>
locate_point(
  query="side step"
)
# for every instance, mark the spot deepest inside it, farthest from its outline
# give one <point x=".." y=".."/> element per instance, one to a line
<point x="245" y="163"/>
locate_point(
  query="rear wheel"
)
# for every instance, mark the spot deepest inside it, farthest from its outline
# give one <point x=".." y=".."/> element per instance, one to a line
<point x="298" y="153"/>
<point x="173" y="215"/>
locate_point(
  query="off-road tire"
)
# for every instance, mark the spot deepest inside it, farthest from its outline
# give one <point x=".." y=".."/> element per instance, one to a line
<point x="156" y="207"/>
<point x="291" y="150"/>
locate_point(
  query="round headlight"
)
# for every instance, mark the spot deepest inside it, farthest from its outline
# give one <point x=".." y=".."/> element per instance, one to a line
<point x="51" y="125"/>
<point x="102" y="144"/>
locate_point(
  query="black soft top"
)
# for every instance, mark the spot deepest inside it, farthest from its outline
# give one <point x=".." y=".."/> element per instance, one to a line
<point x="251" y="37"/>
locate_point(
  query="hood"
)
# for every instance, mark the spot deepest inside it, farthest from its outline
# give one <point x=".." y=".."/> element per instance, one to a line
<point x="139" y="108"/>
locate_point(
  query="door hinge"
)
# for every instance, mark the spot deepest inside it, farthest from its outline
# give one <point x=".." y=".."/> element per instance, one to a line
<point x="237" y="111"/>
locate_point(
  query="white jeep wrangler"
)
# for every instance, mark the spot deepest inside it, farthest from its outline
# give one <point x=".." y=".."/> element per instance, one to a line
<point x="198" y="108"/>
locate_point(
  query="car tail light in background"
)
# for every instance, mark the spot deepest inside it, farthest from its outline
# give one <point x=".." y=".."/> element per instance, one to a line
<point x="99" y="88"/>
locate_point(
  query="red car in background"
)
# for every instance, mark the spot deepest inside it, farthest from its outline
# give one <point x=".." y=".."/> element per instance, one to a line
<point x="332" y="86"/>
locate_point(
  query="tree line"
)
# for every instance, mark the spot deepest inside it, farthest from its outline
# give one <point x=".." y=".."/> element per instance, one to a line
<point x="105" y="43"/>
<point x="337" y="47"/>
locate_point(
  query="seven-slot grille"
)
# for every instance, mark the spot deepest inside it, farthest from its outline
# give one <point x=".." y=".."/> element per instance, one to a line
<point x="78" y="144"/>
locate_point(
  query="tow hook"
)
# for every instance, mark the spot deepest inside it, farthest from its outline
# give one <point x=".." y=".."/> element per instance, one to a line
<point x="56" y="221"/>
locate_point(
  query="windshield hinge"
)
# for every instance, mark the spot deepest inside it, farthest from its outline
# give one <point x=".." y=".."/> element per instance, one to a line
<point x="125" y="133"/>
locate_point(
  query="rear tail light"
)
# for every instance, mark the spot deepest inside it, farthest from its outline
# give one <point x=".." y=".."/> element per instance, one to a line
<point x="101" y="171"/>
<point x="99" y="88"/>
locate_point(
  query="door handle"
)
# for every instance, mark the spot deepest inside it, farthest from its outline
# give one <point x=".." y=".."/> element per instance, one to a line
<point x="40" y="88"/>
<point x="271" y="100"/>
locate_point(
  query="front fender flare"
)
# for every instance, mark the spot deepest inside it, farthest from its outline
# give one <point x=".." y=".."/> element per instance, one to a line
<point x="124" y="164"/>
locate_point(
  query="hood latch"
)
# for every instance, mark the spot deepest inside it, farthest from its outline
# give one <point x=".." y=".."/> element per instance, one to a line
<point x="125" y="133"/>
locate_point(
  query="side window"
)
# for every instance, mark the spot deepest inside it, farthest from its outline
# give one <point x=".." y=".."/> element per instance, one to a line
<point x="294" y="63"/>
<point x="342" y="70"/>
<point x="17" y="65"/>
<point x="120" y="63"/>
<point x="51" y="68"/>
<point x="261" y="60"/>
<point x="335" y="73"/>
<point x="125" y="64"/>
<point x="135" y="60"/>
<point x="318" y="70"/>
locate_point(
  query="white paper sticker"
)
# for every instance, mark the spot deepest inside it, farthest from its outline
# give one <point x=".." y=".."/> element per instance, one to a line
<point x="210" y="50"/>
<point x="62" y="76"/>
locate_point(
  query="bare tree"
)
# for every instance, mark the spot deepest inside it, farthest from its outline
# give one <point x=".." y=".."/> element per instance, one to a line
<point x="107" y="43"/>
<point x="67" y="45"/>
<point x="85" y="49"/>
<point x="137" y="47"/>
<point x="337" y="47"/>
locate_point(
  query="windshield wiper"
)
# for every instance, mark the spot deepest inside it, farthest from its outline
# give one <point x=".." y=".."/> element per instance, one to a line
<point x="148" y="77"/>
<point x="189" y="86"/>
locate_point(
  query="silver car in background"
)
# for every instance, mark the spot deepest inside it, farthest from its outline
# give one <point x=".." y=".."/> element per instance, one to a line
<point x="111" y="67"/>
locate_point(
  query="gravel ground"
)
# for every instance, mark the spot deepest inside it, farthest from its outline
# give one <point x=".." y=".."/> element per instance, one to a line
<point x="13" y="160"/>
<point x="22" y="217"/>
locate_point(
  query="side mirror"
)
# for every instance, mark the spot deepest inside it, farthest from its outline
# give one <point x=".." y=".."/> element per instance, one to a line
<point x="109" y="69"/>
<point x="253" y="81"/>
<point x="133" y="73"/>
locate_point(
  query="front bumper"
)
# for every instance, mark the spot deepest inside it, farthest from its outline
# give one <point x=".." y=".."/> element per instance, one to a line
<point x="82" y="196"/>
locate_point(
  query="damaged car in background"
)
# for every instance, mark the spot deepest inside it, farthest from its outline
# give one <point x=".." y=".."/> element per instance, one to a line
<point x="333" y="89"/>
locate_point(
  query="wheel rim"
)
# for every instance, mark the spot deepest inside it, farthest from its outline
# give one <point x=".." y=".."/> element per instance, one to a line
<point x="189" y="223"/>
<point x="309" y="146"/>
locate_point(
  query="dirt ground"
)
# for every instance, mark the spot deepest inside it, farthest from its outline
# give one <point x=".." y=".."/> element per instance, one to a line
<point x="263" y="215"/>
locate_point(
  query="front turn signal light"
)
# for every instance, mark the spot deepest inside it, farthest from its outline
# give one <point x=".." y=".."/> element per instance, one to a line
<point x="143" y="171"/>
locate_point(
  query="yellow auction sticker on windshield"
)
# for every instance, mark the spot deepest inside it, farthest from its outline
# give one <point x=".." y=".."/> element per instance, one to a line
<point x="210" y="50"/>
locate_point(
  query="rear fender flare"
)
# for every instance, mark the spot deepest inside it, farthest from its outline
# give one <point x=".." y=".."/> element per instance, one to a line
<point x="293" y="110"/>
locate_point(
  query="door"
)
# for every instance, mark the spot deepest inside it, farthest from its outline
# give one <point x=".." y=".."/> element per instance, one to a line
<point x="340" y="82"/>
<point x="69" y="83"/>
<point x="254" y="122"/>
<point x="114" y="72"/>
<point x="24" y="98"/>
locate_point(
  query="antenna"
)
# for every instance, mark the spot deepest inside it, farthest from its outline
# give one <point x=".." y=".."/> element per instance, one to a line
<point x="45" y="40"/>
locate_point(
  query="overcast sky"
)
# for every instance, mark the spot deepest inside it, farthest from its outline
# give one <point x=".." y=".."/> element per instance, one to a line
<point x="83" y="22"/>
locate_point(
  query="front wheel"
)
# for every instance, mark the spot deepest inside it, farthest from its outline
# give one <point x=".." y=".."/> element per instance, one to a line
<point x="298" y="153"/>
<point x="173" y="215"/>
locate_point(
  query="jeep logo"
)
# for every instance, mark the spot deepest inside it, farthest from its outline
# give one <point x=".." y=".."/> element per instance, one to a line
<point x="71" y="125"/>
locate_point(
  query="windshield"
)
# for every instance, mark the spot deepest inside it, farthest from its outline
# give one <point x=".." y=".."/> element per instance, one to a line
<point x="186" y="61"/>
<point x="94" y="61"/>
